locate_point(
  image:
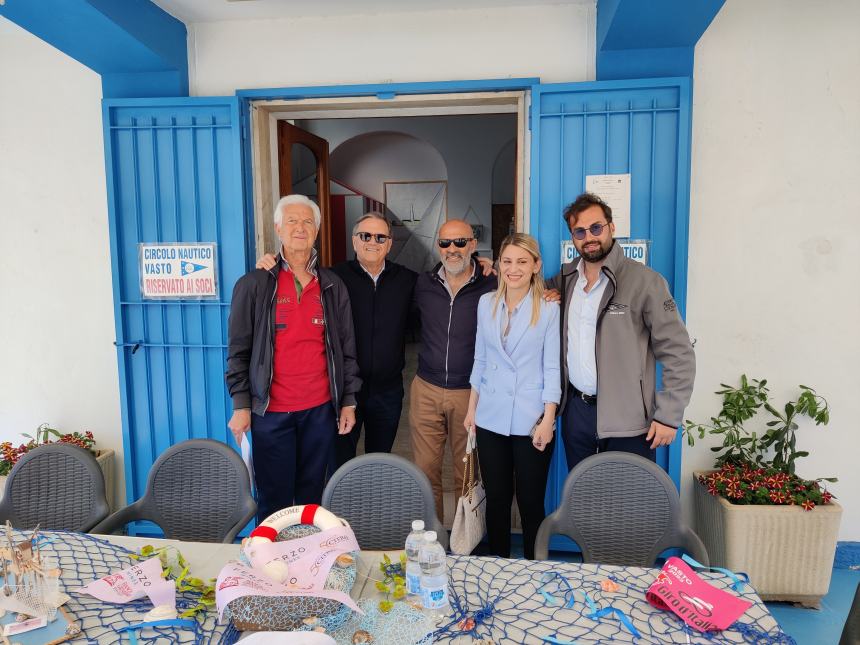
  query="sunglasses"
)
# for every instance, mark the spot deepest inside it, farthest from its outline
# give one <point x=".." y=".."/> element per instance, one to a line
<point x="594" y="229"/>
<point x="379" y="238"/>
<point x="459" y="242"/>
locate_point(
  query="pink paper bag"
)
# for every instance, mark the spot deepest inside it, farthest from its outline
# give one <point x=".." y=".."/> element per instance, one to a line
<point x="700" y="605"/>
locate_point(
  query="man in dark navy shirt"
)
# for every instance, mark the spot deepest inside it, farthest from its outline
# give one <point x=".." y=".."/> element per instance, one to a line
<point x="380" y="292"/>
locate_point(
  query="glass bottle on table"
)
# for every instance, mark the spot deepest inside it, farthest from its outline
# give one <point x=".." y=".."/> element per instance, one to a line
<point x="434" y="577"/>
<point x="413" y="568"/>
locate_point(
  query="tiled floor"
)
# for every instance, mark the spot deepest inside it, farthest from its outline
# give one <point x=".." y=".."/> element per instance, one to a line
<point x="819" y="626"/>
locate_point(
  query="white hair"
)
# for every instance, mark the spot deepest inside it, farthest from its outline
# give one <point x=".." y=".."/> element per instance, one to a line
<point x="297" y="199"/>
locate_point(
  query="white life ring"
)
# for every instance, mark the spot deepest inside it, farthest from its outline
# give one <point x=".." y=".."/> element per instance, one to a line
<point x="269" y="528"/>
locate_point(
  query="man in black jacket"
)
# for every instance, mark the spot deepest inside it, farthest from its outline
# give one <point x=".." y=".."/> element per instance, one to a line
<point x="447" y="300"/>
<point x="291" y="364"/>
<point x="380" y="292"/>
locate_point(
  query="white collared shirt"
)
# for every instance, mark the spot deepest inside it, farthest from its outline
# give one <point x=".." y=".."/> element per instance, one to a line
<point x="582" y="331"/>
<point x="375" y="278"/>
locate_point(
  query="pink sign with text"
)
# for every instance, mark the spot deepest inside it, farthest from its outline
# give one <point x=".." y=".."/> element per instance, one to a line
<point x="137" y="581"/>
<point x="700" y="605"/>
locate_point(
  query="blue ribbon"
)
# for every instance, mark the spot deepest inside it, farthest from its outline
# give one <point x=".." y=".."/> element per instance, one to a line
<point x="173" y="622"/>
<point x="738" y="579"/>
<point x="621" y="616"/>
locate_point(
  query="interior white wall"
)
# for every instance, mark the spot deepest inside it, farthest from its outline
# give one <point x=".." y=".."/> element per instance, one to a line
<point x="468" y="144"/>
<point x="774" y="269"/>
<point x="365" y="162"/>
<point x="554" y="42"/>
<point x="57" y="329"/>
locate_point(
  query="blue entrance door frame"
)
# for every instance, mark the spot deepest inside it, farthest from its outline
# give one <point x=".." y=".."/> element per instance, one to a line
<point x="174" y="174"/>
<point x="641" y="127"/>
<point x="178" y="170"/>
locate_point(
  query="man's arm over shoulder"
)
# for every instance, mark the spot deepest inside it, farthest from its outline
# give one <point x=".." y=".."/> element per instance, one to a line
<point x="346" y="333"/>
<point x="240" y="333"/>
<point x="672" y="347"/>
<point x="554" y="282"/>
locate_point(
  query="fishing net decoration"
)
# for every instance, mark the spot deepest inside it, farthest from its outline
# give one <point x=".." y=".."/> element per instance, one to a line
<point x="522" y="601"/>
<point x="84" y="558"/>
<point x="510" y="601"/>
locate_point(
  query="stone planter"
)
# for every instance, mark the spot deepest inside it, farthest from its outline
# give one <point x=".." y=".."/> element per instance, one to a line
<point x="105" y="459"/>
<point x="786" y="551"/>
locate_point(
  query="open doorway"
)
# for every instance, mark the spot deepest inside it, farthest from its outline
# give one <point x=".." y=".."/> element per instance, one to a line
<point x="420" y="163"/>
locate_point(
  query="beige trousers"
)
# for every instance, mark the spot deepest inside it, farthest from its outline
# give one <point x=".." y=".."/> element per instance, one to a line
<point x="436" y="414"/>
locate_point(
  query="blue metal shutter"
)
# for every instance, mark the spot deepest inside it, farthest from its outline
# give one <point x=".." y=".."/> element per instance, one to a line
<point x="174" y="174"/>
<point x="641" y="127"/>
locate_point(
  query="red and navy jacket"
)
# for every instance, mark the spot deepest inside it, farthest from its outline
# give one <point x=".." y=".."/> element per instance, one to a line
<point x="251" y="342"/>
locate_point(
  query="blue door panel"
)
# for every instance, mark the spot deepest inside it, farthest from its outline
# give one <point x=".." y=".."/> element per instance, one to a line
<point x="639" y="127"/>
<point x="174" y="171"/>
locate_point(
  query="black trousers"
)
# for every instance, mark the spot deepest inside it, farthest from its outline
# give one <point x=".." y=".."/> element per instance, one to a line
<point x="379" y="413"/>
<point x="509" y="463"/>
<point x="291" y="452"/>
<point x="579" y="431"/>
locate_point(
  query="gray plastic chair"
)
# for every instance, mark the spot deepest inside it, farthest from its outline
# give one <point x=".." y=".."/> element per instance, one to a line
<point x="379" y="495"/>
<point x="57" y="486"/>
<point x="620" y="509"/>
<point x="198" y="490"/>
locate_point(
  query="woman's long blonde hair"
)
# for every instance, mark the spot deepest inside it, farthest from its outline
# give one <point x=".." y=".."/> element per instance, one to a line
<point x="530" y="245"/>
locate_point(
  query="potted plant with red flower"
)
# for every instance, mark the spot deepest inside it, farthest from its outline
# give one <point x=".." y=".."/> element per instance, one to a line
<point x="10" y="454"/>
<point x="753" y="512"/>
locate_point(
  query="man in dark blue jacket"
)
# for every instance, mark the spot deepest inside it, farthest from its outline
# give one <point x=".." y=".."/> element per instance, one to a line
<point x="291" y="368"/>
<point x="380" y="292"/>
<point x="447" y="300"/>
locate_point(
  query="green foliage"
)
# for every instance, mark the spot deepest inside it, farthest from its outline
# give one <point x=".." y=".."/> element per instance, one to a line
<point x="745" y="455"/>
<point x="776" y="445"/>
<point x="176" y="568"/>
<point x="393" y="584"/>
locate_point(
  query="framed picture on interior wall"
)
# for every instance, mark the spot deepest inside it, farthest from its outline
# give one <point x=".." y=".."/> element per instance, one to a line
<point x="412" y="202"/>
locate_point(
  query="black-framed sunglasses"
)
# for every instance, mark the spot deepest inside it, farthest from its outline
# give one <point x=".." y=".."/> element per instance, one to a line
<point x="594" y="229"/>
<point x="379" y="238"/>
<point x="459" y="242"/>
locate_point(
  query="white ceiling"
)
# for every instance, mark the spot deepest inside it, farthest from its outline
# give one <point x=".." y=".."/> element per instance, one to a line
<point x="191" y="11"/>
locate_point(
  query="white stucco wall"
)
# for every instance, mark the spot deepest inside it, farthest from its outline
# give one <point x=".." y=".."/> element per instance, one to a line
<point x="774" y="234"/>
<point x="554" y="42"/>
<point x="57" y="329"/>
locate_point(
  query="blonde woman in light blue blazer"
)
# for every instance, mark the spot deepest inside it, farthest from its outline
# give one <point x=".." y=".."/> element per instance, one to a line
<point x="516" y="388"/>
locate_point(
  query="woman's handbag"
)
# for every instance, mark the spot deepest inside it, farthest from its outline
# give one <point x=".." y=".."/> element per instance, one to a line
<point x="470" y="522"/>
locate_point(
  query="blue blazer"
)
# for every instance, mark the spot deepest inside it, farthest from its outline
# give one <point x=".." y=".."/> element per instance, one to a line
<point x="513" y="387"/>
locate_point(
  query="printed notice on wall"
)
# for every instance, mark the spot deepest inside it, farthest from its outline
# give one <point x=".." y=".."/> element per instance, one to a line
<point x="615" y="191"/>
<point x="178" y="271"/>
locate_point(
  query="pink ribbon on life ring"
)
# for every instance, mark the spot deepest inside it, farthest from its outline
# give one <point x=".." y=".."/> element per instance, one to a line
<point x="268" y="529"/>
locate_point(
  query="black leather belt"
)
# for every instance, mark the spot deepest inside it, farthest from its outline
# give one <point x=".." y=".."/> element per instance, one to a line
<point x="590" y="399"/>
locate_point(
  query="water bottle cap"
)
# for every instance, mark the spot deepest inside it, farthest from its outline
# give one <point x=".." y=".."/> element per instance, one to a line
<point x="430" y="536"/>
<point x="417" y="525"/>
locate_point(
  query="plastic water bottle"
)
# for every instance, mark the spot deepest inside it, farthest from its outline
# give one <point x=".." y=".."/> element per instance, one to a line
<point x="413" y="569"/>
<point x="434" y="577"/>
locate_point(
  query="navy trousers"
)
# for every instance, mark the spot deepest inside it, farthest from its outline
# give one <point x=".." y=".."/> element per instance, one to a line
<point x="379" y="414"/>
<point x="291" y="452"/>
<point x="579" y="431"/>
